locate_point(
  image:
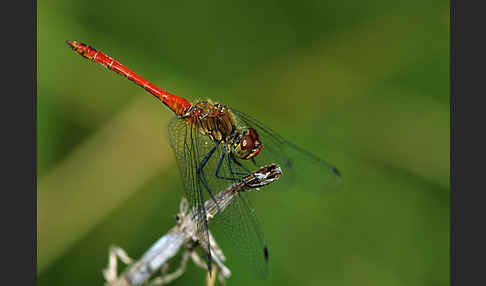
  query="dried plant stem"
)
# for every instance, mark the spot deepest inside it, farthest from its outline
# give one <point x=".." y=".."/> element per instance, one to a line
<point x="183" y="234"/>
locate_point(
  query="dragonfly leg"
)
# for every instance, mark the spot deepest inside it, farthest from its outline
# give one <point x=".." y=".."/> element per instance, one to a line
<point x="200" y="174"/>
<point x="231" y="158"/>
<point x="230" y="166"/>
<point x="218" y="169"/>
<point x="253" y="160"/>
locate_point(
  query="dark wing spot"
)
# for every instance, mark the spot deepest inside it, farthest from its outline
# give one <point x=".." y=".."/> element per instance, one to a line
<point x="265" y="253"/>
<point x="335" y="172"/>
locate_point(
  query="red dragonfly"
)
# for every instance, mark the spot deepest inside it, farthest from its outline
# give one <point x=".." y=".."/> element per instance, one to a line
<point x="215" y="146"/>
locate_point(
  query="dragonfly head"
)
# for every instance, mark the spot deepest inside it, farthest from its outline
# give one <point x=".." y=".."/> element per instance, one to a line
<point x="247" y="144"/>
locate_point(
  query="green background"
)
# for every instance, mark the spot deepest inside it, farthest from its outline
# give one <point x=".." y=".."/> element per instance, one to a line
<point x="364" y="84"/>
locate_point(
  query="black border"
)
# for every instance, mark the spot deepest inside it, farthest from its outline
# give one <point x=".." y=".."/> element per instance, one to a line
<point x="34" y="134"/>
<point x="19" y="123"/>
<point x="468" y="92"/>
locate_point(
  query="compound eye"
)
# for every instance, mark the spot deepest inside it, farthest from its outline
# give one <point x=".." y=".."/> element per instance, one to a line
<point x="247" y="143"/>
<point x="250" y="144"/>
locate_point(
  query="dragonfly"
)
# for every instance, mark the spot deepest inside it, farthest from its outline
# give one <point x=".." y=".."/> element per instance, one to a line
<point x="215" y="146"/>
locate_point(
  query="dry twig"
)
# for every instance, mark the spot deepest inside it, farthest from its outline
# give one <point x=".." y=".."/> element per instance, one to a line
<point x="183" y="234"/>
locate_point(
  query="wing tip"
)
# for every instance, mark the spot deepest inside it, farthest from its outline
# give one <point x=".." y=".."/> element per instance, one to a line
<point x="338" y="180"/>
<point x="265" y="253"/>
<point x="335" y="172"/>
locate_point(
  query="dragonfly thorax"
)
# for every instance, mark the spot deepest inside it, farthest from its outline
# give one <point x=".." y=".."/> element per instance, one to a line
<point x="213" y="120"/>
<point x="218" y="123"/>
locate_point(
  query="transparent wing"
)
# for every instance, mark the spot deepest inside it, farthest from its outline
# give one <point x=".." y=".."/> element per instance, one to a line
<point x="242" y="227"/>
<point x="183" y="138"/>
<point x="300" y="168"/>
<point x="217" y="171"/>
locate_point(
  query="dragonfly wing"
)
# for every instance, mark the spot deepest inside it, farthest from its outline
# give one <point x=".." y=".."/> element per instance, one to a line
<point x="183" y="139"/>
<point x="238" y="220"/>
<point x="299" y="166"/>
<point x="242" y="227"/>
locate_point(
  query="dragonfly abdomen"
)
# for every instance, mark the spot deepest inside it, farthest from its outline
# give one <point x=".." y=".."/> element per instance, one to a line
<point x="177" y="104"/>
